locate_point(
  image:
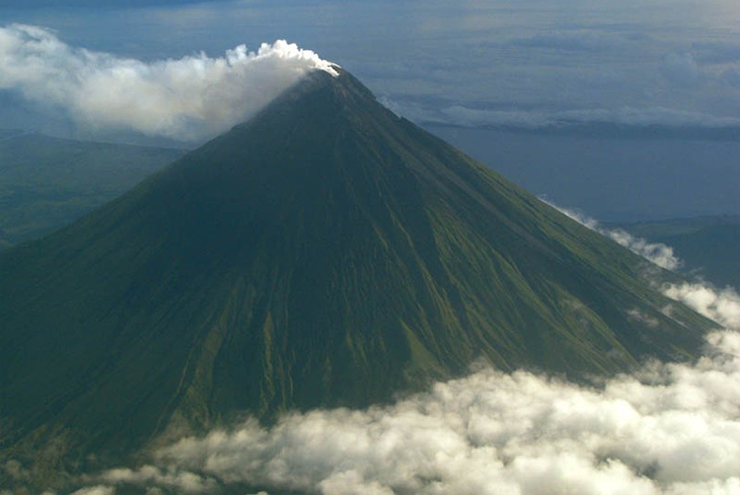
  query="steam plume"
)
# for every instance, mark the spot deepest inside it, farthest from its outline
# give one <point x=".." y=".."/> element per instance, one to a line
<point x="192" y="98"/>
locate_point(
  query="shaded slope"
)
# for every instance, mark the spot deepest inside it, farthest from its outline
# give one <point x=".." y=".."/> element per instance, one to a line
<point x="324" y="253"/>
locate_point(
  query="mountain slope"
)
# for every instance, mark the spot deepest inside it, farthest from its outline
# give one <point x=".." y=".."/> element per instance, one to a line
<point x="325" y="253"/>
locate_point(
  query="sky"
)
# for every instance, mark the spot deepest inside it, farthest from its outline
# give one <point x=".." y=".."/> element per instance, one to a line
<point x="523" y="63"/>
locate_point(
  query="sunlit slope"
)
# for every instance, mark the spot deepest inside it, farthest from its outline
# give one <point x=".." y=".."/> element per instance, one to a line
<point x="325" y="253"/>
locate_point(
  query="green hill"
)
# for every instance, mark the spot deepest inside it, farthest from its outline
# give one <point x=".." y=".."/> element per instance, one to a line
<point x="46" y="182"/>
<point x="325" y="253"/>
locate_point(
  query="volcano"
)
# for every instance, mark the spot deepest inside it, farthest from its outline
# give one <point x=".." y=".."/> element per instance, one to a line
<point x="325" y="253"/>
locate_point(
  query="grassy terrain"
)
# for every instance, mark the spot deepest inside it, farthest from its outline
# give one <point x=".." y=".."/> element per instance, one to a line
<point x="46" y="183"/>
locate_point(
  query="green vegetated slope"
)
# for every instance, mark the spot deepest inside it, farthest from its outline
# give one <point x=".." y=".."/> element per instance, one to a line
<point x="325" y="253"/>
<point x="709" y="246"/>
<point x="46" y="182"/>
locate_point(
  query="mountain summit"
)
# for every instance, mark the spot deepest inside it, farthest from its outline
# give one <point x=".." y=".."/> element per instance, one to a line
<point x="325" y="253"/>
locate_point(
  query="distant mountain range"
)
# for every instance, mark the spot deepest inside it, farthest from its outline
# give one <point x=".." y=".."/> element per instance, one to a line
<point x="325" y="253"/>
<point x="47" y="182"/>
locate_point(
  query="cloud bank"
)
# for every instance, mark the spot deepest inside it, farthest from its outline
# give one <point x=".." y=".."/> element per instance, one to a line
<point x="190" y="99"/>
<point x="673" y="430"/>
<point x="669" y="118"/>
<point x="722" y="306"/>
<point x="669" y="429"/>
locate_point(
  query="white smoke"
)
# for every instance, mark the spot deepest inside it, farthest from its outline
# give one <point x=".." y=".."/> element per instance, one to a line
<point x="192" y="98"/>
<point x="658" y="253"/>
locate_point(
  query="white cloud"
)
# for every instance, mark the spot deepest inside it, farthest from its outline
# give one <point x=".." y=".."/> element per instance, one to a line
<point x="534" y="119"/>
<point x="658" y="253"/>
<point x="681" y="69"/>
<point x="722" y="306"/>
<point x="191" y="98"/>
<point x="182" y="482"/>
<point x="96" y="490"/>
<point x="636" y="314"/>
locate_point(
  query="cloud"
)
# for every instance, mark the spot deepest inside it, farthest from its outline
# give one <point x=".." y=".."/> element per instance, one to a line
<point x="682" y="70"/>
<point x="637" y="315"/>
<point x="96" y="490"/>
<point x="722" y="306"/>
<point x="669" y="429"/>
<point x="536" y="119"/>
<point x="673" y="429"/>
<point x="570" y="41"/>
<point x="658" y="253"/>
<point x="182" y="482"/>
<point x="192" y="98"/>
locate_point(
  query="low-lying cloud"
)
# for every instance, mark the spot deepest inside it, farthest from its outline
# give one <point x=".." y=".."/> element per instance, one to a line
<point x="669" y="118"/>
<point x="673" y="429"/>
<point x="190" y="99"/>
<point x="658" y="253"/>
<point x="722" y="306"/>
<point x="669" y="429"/>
